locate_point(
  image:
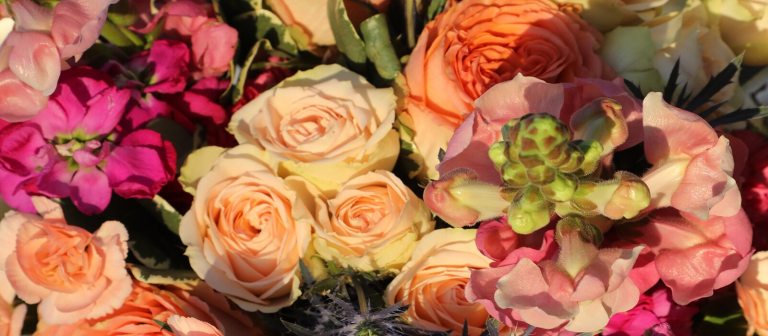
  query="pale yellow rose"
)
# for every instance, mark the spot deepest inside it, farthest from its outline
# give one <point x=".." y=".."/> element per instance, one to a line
<point x="327" y="124"/>
<point x="646" y="54"/>
<point x="744" y="25"/>
<point x="432" y="283"/>
<point x="246" y="232"/>
<point x="606" y="15"/>
<point x="752" y="290"/>
<point x="374" y="223"/>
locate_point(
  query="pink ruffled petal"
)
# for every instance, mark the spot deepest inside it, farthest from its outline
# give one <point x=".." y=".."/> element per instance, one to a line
<point x="691" y="272"/>
<point x="169" y="61"/>
<point x="35" y="60"/>
<point x="30" y="16"/>
<point x="77" y="24"/>
<point x="707" y="182"/>
<point x="670" y="131"/>
<point x="20" y="101"/>
<point x="104" y="111"/>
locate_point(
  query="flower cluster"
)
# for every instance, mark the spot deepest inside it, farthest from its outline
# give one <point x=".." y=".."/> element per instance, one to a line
<point x="349" y="167"/>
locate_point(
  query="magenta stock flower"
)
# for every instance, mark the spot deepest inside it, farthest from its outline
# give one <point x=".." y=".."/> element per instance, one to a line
<point x="73" y="149"/>
<point x="36" y="41"/>
<point x="213" y="43"/>
<point x="655" y="311"/>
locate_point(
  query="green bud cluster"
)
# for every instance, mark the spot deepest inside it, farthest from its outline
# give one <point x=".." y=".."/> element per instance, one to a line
<point x="541" y="166"/>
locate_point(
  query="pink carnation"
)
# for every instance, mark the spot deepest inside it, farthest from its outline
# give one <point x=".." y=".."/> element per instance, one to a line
<point x="72" y="273"/>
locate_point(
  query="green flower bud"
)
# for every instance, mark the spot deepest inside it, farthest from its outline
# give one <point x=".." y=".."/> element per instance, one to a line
<point x="529" y="212"/>
<point x="541" y="175"/>
<point x="498" y="154"/>
<point x="593" y="151"/>
<point x="561" y="189"/>
<point x="573" y="161"/>
<point x="510" y="129"/>
<point x="514" y="174"/>
<point x="541" y="134"/>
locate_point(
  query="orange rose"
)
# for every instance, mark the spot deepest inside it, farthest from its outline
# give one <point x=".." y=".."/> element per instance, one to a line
<point x="148" y="304"/>
<point x="752" y="290"/>
<point x="72" y="273"/>
<point x="479" y="43"/>
<point x="432" y="283"/>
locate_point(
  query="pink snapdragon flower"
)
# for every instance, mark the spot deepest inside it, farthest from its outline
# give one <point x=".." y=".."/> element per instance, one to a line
<point x="654" y="311"/>
<point x="73" y="149"/>
<point x="213" y="43"/>
<point x="692" y="167"/>
<point x="694" y="256"/>
<point x="575" y="288"/>
<point x="36" y="42"/>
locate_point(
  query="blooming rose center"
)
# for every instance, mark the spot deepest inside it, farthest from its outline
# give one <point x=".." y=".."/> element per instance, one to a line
<point x="61" y="258"/>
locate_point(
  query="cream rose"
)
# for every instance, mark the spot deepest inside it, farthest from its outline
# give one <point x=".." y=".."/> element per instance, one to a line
<point x="72" y="273"/>
<point x="374" y="223"/>
<point x="646" y="54"/>
<point x="752" y="290"/>
<point x="606" y="15"/>
<point x="246" y="232"/>
<point x="432" y="283"/>
<point x="327" y="124"/>
<point x="744" y="25"/>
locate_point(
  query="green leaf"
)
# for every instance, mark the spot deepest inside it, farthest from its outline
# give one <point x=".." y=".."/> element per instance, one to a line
<point x="349" y="43"/>
<point x="149" y="254"/>
<point x="269" y="26"/>
<point x="119" y="36"/>
<point x="175" y="277"/>
<point x="306" y="275"/>
<point x="239" y="80"/>
<point x="297" y="329"/>
<point x="741" y="115"/>
<point x="435" y="7"/>
<point x="378" y="46"/>
<point x="163" y="212"/>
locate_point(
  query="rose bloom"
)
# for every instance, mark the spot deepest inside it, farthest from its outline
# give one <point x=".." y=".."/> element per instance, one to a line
<point x="752" y="290"/>
<point x="246" y="232"/>
<point x="190" y="326"/>
<point x="11" y="319"/>
<point x="148" y="304"/>
<point x="327" y="124"/>
<point x="432" y="283"/>
<point x="647" y="53"/>
<point x="744" y="25"/>
<point x="375" y="222"/>
<point x="608" y="14"/>
<point x="72" y="273"/>
<point x="476" y="44"/>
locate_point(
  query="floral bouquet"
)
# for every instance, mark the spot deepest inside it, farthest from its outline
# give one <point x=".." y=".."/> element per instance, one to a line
<point x="383" y="167"/>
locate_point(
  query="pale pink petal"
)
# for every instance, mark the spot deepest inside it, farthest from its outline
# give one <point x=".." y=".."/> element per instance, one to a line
<point x="670" y="131"/>
<point x="35" y="60"/>
<point x="592" y="317"/>
<point x="691" y="273"/>
<point x="30" y="16"/>
<point x="76" y="25"/>
<point x="706" y="182"/>
<point x="520" y="96"/>
<point x="20" y="101"/>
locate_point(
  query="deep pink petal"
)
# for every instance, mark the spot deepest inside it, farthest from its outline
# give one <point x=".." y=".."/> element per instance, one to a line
<point x="23" y="150"/>
<point x="495" y="239"/>
<point x="90" y="190"/>
<point x="104" y="111"/>
<point x="35" y="60"/>
<point x="13" y="194"/>
<point x="139" y="166"/>
<point x="169" y="63"/>
<point x="55" y="182"/>
<point x="20" y="101"/>
<point x="670" y="131"/>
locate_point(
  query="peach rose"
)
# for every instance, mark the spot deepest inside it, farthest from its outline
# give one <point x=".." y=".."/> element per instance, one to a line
<point x="752" y="290"/>
<point x="744" y="25"/>
<point x="147" y="305"/>
<point x="11" y="319"/>
<point x="432" y="283"/>
<point x="190" y="326"/>
<point x="375" y="222"/>
<point x="246" y="232"/>
<point x="72" y="273"/>
<point x="479" y="43"/>
<point x="327" y="124"/>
